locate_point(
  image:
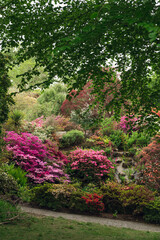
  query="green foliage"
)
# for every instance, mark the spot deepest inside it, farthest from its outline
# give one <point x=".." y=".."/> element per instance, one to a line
<point x="25" y="66"/>
<point x="49" y="102"/>
<point x="72" y="138"/>
<point x="14" y="122"/>
<point x="7" y="211"/>
<point x="108" y="126"/>
<point x="55" y="196"/>
<point x="137" y="139"/>
<point x="111" y="197"/>
<point x="152" y="211"/>
<point x="5" y="83"/>
<point x="41" y="197"/>
<point x="5" y="97"/>
<point x="118" y="138"/>
<point x="8" y="184"/>
<point x="130" y="199"/>
<point x="17" y="173"/>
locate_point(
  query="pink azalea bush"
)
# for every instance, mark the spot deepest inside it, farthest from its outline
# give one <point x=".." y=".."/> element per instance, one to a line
<point x="33" y="156"/>
<point x="90" y="165"/>
<point x="128" y="123"/>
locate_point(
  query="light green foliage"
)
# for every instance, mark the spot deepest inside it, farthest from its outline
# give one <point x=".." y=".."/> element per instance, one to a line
<point x="49" y="102"/>
<point x="108" y="126"/>
<point x="25" y="66"/>
<point x="72" y="138"/>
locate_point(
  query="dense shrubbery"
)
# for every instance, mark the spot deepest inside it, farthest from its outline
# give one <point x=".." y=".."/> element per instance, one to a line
<point x="89" y="165"/>
<point x="126" y="199"/>
<point x="31" y="155"/>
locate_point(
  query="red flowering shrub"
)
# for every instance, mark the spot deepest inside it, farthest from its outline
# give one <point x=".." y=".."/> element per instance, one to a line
<point x="150" y="164"/>
<point x="89" y="165"/>
<point x="32" y="155"/>
<point x="94" y="202"/>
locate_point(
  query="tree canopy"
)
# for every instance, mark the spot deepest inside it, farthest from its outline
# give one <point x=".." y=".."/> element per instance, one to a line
<point x="79" y="39"/>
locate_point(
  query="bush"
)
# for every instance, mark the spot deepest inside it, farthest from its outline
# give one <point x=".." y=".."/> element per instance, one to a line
<point x="152" y="211"/>
<point x="111" y="197"/>
<point x="93" y="203"/>
<point x="72" y="138"/>
<point x="149" y="164"/>
<point x="89" y="165"/>
<point x="135" y="198"/>
<point x="31" y="155"/>
<point x="131" y="199"/>
<point x="55" y="196"/>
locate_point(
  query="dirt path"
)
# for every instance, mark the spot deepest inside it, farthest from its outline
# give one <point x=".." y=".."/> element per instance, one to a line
<point x="93" y="219"/>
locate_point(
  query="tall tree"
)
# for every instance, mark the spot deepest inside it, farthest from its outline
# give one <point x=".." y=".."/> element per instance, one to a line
<point x="75" y="39"/>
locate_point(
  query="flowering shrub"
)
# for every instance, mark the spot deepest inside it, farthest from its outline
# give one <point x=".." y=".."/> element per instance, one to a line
<point x="90" y="165"/>
<point x="94" y="202"/>
<point x="128" y="123"/>
<point x="32" y="155"/>
<point x="150" y="164"/>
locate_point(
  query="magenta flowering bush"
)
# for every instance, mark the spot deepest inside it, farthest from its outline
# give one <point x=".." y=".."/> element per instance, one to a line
<point x="33" y="156"/>
<point x="89" y="165"/>
<point x="128" y="123"/>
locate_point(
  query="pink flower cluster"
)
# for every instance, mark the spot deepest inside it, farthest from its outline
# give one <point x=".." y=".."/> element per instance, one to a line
<point x="91" y="163"/>
<point x="38" y="122"/>
<point x="32" y="155"/>
<point x="126" y="124"/>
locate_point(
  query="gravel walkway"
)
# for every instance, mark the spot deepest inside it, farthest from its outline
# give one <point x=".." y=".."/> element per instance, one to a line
<point x="100" y="220"/>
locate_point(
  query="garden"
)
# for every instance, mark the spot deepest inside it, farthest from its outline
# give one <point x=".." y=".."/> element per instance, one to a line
<point x="71" y="160"/>
<point x="80" y="110"/>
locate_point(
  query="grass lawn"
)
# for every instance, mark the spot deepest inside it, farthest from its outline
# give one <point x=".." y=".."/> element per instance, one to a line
<point x="46" y="228"/>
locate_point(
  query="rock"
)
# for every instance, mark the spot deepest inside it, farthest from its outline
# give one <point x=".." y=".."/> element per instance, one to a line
<point x="118" y="160"/>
